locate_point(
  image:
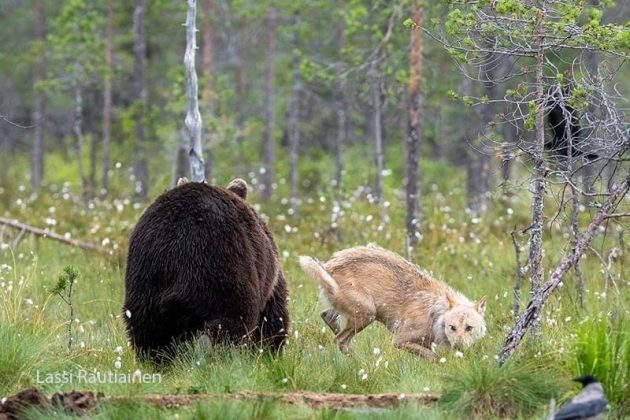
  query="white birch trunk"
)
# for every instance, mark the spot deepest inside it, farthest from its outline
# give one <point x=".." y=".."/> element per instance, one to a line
<point x="193" y="117"/>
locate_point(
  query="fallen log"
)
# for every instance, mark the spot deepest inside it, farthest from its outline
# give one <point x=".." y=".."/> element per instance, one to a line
<point x="311" y="399"/>
<point x="46" y="233"/>
<point x="81" y="403"/>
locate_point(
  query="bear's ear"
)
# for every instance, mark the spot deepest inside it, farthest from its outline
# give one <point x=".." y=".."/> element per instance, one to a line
<point x="181" y="181"/>
<point x="480" y="306"/>
<point x="239" y="187"/>
<point x="452" y="302"/>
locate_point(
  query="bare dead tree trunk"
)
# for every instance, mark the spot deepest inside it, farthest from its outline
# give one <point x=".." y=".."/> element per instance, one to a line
<point x="269" y="114"/>
<point x="414" y="128"/>
<point x="107" y="96"/>
<point x="536" y="230"/>
<point x="532" y="313"/>
<point x="207" y="70"/>
<point x="37" y="163"/>
<point x="294" y="122"/>
<point x="193" y="117"/>
<point x="141" y="170"/>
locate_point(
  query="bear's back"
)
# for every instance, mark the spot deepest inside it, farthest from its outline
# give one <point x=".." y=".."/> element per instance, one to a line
<point x="199" y="253"/>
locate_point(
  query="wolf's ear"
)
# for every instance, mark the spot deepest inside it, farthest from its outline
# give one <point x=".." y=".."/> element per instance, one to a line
<point x="451" y="300"/>
<point x="480" y="306"/>
<point x="238" y="187"/>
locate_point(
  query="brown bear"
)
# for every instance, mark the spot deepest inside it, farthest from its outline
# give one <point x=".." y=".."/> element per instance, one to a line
<point x="202" y="263"/>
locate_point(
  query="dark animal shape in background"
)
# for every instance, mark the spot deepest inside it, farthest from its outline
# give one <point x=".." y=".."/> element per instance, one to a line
<point x="202" y="264"/>
<point x="564" y="122"/>
<point x="590" y="403"/>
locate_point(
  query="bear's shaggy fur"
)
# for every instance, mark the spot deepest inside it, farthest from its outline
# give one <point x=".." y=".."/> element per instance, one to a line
<point x="201" y="261"/>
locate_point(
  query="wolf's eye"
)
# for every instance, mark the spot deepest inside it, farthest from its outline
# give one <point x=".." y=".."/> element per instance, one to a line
<point x="469" y="328"/>
<point x="453" y="327"/>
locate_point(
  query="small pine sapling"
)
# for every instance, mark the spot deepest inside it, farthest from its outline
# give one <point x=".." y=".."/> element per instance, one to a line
<point x="63" y="289"/>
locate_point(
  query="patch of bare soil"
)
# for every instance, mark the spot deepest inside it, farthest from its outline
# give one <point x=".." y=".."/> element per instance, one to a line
<point x="80" y="403"/>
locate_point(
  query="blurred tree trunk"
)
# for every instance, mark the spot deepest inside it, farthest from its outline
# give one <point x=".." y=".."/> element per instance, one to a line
<point x="181" y="164"/>
<point x="141" y="170"/>
<point x="294" y="119"/>
<point x="78" y="131"/>
<point x="414" y="133"/>
<point x="268" y="138"/>
<point x="239" y="91"/>
<point x="589" y="171"/>
<point x="377" y="119"/>
<point x="39" y="108"/>
<point x="340" y="108"/>
<point x="510" y="137"/>
<point x="208" y="94"/>
<point x="107" y="96"/>
<point x="479" y="173"/>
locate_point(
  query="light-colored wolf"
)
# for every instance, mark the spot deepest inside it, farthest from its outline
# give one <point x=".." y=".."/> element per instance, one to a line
<point x="364" y="284"/>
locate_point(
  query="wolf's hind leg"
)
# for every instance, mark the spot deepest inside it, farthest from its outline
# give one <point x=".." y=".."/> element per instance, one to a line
<point x="360" y="312"/>
<point x="331" y="318"/>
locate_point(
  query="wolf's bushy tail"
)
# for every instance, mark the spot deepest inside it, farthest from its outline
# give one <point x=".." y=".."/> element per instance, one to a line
<point x="316" y="271"/>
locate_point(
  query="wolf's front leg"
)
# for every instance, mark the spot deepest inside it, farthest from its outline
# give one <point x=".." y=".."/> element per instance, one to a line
<point x="411" y="342"/>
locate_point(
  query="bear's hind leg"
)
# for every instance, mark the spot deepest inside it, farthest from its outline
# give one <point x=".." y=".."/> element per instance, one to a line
<point x="223" y="330"/>
<point x="274" y="319"/>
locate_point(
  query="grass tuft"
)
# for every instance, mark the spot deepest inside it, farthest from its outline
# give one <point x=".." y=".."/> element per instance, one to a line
<point x="487" y="389"/>
<point x="603" y="350"/>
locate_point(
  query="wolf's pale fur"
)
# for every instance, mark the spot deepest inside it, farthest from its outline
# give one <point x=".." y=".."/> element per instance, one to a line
<point x="364" y="284"/>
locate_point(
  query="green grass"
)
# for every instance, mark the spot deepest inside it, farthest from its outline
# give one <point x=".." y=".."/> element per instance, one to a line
<point x="603" y="350"/>
<point x="474" y="255"/>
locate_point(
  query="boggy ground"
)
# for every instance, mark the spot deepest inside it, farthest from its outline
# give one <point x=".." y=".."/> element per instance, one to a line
<point x="473" y="254"/>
